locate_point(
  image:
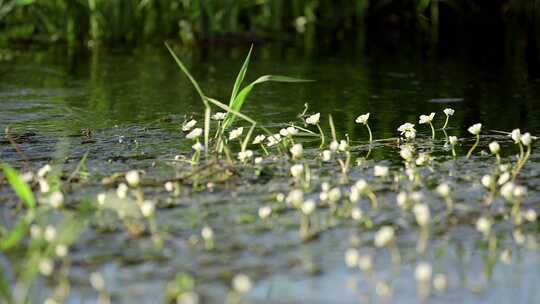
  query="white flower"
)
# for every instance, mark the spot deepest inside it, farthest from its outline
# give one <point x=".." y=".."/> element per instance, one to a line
<point x="519" y="191"/>
<point x="297" y="170"/>
<point x="448" y="111"/>
<point x="219" y="116"/>
<point x="207" y="233"/>
<point x="361" y="185"/>
<point x="297" y="151"/>
<point x="273" y="140"/>
<point x="245" y="155"/>
<point x="241" y="283"/>
<point x="44" y="186"/>
<point x="334" y="195"/>
<point x="44" y="170"/>
<point x="363" y="119"/>
<point x="424" y="119"/>
<point x="46" y="267"/>
<point x="326" y="155"/>
<point x="148" y="208"/>
<point x="503" y="178"/>
<point x="483" y="225"/>
<point x="35" y="231"/>
<point x="198" y="147"/>
<point x="526" y="139"/>
<point x="422" y="214"/>
<point x="343" y="145"/>
<point x="487" y="181"/>
<point x="407" y="129"/>
<point x="475" y="129"/>
<point x="313" y="119"/>
<point x="189" y="125"/>
<point x="258" y="160"/>
<point x="61" y="250"/>
<point x="334" y="145"/>
<point x="402" y="198"/>
<point x="133" y="178"/>
<point x="295" y="197"/>
<point x="365" y="263"/>
<point x="453" y="140"/>
<point x="49" y="234"/>
<point x="97" y="281"/>
<point x="195" y="133"/>
<point x="308" y="207"/>
<point x="380" y="171"/>
<point x="56" y="199"/>
<point x="259" y="139"/>
<point x="283" y="132"/>
<point x="169" y="186"/>
<point x="422" y="272"/>
<point x="354" y="194"/>
<point x="121" y="190"/>
<point x="351" y="257"/>
<point x="423" y="158"/>
<point x="265" y="212"/>
<point x="507" y="190"/>
<point x="440" y="282"/>
<point x="357" y="214"/>
<point x="443" y="190"/>
<point x="516" y="135"/>
<point x="530" y="215"/>
<point x="406" y="153"/>
<point x="494" y="147"/>
<point x="236" y="133"/>
<point x="292" y="131"/>
<point x="101" y="198"/>
<point x="384" y="236"/>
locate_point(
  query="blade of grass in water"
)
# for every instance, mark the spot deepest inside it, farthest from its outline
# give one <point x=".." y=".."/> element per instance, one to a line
<point x="19" y="186"/>
<point x="240" y="77"/>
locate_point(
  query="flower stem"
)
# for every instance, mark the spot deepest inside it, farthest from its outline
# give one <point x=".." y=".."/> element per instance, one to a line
<point x="264" y="149"/>
<point x="370" y="135"/>
<point x="474" y="146"/>
<point x="432" y="131"/>
<point x="445" y="122"/>
<point x="322" y="136"/>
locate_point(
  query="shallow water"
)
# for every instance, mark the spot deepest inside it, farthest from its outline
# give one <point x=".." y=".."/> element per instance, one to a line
<point x="134" y="101"/>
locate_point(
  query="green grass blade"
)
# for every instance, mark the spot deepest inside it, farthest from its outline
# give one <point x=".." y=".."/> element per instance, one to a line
<point x="241" y="97"/>
<point x="19" y="186"/>
<point x="186" y="72"/>
<point x="240" y="77"/>
<point x="17" y="233"/>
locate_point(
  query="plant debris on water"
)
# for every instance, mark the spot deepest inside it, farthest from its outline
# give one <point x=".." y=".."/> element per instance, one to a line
<point x="252" y="211"/>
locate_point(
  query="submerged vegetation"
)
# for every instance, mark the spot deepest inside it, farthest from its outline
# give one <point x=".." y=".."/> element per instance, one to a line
<point x="291" y="184"/>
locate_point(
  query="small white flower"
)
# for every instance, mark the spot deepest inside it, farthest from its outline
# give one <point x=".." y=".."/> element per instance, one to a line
<point x="422" y="214"/>
<point x="97" y="281"/>
<point x="425" y="119"/>
<point x="526" y="139"/>
<point x="362" y="119"/>
<point x="44" y="170"/>
<point x="406" y="153"/>
<point x="291" y="131"/>
<point x="443" y="190"/>
<point x="297" y="151"/>
<point x="207" y="233"/>
<point x="505" y="177"/>
<point x="241" y="283"/>
<point x="487" y="181"/>
<point x="133" y="178"/>
<point x="265" y="212"/>
<point x="326" y="155"/>
<point x="219" y="116"/>
<point x="101" y="198"/>
<point x="195" y="133"/>
<point x="483" y="225"/>
<point x="56" y="199"/>
<point x="236" y="133"/>
<point x="295" y="197"/>
<point x="475" y="129"/>
<point x="365" y="263"/>
<point x="44" y="186"/>
<point x="61" y="250"/>
<point x="343" y="145"/>
<point x="384" y="236"/>
<point x="148" y="208"/>
<point x="169" y="186"/>
<point x="423" y="159"/>
<point x="283" y="132"/>
<point x="402" y="198"/>
<point x="308" y="207"/>
<point x="313" y="119"/>
<point x="448" y="111"/>
<point x="35" y="231"/>
<point x="187" y="126"/>
<point x="507" y="191"/>
<point x="273" y="140"/>
<point x="334" y="195"/>
<point x="422" y="272"/>
<point x="46" y="267"/>
<point x="453" y="140"/>
<point x="407" y="129"/>
<point x="380" y="171"/>
<point x="530" y="215"/>
<point x="334" y="145"/>
<point x="351" y="257"/>
<point x="122" y="190"/>
<point x="357" y="214"/>
<point x="259" y="139"/>
<point x="198" y="147"/>
<point x="519" y="191"/>
<point x="297" y="170"/>
<point x="244" y="156"/>
<point x="354" y="194"/>
<point x="494" y="147"/>
<point x="516" y="135"/>
<point x="440" y="282"/>
<point x="361" y="185"/>
<point x="258" y="160"/>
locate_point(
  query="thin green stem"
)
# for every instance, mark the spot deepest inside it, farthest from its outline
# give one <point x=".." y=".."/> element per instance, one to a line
<point x="474" y="146"/>
<point x="322" y="136"/>
<point x="446" y="122"/>
<point x="370" y="135"/>
<point x="432" y="131"/>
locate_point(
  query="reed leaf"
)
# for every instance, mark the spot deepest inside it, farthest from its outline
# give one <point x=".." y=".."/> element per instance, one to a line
<point x="19" y="186"/>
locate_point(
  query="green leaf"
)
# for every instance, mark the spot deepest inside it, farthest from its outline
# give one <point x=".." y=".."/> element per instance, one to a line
<point x="19" y="186"/>
<point x="240" y="77"/>
<point x="187" y="73"/>
<point x="17" y="233"/>
<point x="241" y="97"/>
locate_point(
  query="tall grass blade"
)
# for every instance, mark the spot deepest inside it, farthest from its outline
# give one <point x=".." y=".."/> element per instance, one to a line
<point x="19" y="186"/>
<point x="239" y="100"/>
<point x="17" y="233"/>
<point x="186" y="72"/>
<point x="240" y="77"/>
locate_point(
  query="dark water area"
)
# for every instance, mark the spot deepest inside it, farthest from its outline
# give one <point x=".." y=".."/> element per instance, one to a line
<point x="132" y="102"/>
